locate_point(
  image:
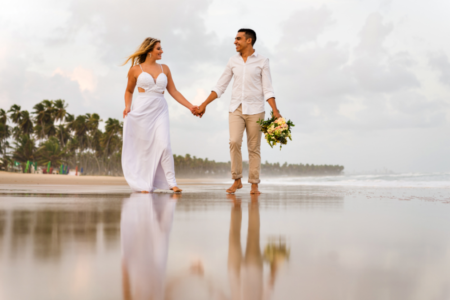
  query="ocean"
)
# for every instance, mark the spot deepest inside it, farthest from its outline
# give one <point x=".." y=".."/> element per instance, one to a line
<point x="410" y="180"/>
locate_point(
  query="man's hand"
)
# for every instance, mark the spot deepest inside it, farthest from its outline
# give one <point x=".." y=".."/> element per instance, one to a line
<point x="201" y="110"/>
<point x="275" y="110"/>
<point x="276" y="114"/>
<point x="126" y="111"/>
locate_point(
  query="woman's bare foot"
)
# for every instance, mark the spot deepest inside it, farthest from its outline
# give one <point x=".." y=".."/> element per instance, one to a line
<point x="175" y="189"/>
<point x="236" y="185"/>
<point x="145" y="192"/>
<point x="176" y="196"/>
<point x="254" y="189"/>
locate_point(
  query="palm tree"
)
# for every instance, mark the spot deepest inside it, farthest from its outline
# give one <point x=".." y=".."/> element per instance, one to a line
<point x="113" y="129"/>
<point x="80" y="129"/>
<point x="39" y="111"/>
<point x="51" y="151"/>
<point x="50" y="111"/>
<point x="93" y="121"/>
<point x="16" y="113"/>
<point x="22" y="119"/>
<point x="25" y="125"/>
<point x="5" y="133"/>
<point x="25" y="149"/>
<point x="45" y="119"/>
<point x="60" y="110"/>
<point x="63" y="134"/>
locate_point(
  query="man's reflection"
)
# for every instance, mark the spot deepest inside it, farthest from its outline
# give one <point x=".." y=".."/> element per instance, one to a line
<point x="145" y="227"/>
<point x="246" y="273"/>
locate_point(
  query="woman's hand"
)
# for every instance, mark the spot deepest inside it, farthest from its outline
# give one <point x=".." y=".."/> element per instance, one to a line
<point x="126" y="111"/>
<point x="193" y="109"/>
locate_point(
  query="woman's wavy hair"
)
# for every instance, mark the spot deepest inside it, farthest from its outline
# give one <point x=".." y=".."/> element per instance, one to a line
<point x="140" y="54"/>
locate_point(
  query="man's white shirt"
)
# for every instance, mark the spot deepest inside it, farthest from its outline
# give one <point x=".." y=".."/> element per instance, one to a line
<point x="252" y="84"/>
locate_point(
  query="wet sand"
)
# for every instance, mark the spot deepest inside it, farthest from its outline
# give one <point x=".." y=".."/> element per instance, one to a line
<point x="292" y="242"/>
<point x="7" y="178"/>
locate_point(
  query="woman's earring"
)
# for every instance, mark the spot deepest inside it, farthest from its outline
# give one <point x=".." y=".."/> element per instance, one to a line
<point x="150" y="55"/>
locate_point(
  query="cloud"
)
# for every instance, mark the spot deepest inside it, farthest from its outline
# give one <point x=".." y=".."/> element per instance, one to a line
<point x="118" y="30"/>
<point x="373" y="34"/>
<point x="85" y="77"/>
<point x="345" y="79"/>
<point x="440" y="63"/>
<point x="333" y="86"/>
<point x="305" y="25"/>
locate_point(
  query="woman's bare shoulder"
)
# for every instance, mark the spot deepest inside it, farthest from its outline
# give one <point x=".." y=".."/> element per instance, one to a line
<point x="165" y="68"/>
<point x="134" y="71"/>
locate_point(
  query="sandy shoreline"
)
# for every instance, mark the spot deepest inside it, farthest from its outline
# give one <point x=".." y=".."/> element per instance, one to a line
<point x="24" y="179"/>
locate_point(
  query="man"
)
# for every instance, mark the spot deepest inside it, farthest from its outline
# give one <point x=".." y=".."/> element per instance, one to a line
<point x="252" y="86"/>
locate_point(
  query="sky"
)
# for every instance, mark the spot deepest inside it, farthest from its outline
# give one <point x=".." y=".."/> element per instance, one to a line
<point x="366" y="82"/>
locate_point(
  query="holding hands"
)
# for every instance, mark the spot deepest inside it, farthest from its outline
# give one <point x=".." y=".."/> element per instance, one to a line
<point x="194" y="109"/>
<point x="199" y="111"/>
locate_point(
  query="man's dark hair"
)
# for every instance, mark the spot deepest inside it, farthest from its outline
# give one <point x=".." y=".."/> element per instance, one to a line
<point x="249" y="34"/>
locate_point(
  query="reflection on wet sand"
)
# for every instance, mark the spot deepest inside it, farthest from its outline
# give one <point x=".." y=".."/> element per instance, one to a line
<point x="46" y="231"/>
<point x="339" y="244"/>
<point x="145" y="228"/>
<point x="246" y="273"/>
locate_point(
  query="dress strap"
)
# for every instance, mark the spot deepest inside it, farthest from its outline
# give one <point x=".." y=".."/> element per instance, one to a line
<point x="141" y="68"/>
<point x="161" y="68"/>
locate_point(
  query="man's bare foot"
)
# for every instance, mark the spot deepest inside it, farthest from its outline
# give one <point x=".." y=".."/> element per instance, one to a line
<point x="254" y="198"/>
<point x="145" y="192"/>
<point x="175" y="189"/>
<point x="254" y="189"/>
<point x="236" y="185"/>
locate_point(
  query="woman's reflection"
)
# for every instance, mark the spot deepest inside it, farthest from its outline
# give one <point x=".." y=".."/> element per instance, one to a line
<point x="145" y="227"/>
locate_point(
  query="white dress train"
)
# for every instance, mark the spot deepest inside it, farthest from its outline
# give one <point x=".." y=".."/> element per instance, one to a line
<point x="147" y="159"/>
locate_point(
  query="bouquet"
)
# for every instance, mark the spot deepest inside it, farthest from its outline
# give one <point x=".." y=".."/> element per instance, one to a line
<point x="276" y="130"/>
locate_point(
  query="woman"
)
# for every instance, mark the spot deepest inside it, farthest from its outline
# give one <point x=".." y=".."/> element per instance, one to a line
<point x="147" y="159"/>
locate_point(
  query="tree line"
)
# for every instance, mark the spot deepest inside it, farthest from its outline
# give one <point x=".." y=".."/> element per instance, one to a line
<point x="193" y="166"/>
<point x="50" y="135"/>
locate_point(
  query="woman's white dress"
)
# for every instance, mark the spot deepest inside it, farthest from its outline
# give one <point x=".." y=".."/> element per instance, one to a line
<point x="145" y="225"/>
<point x="147" y="159"/>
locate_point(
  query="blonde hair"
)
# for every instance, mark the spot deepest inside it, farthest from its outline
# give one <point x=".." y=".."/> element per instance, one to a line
<point x="140" y="54"/>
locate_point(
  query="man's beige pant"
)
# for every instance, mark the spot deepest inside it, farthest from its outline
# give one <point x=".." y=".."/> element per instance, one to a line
<point x="238" y="123"/>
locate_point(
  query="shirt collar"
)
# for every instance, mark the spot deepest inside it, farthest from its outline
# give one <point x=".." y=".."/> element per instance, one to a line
<point x="255" y="54"/>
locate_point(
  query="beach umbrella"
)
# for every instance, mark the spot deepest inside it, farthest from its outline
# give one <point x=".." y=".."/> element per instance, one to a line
<point x="28" y="165"/>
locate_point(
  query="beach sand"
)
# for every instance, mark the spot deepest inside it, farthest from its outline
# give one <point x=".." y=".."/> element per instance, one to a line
<point x="35" y="179"/>
<point x="64" y="237"/>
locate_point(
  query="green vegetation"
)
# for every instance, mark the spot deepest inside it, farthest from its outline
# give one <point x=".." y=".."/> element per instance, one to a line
<point x="192" y="166"/>
<point x="51" y="134"/>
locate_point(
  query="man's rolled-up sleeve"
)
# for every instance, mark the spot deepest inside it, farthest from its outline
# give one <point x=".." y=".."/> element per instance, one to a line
<point x="267" y="81"/>
<point x="224" y="80"/>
